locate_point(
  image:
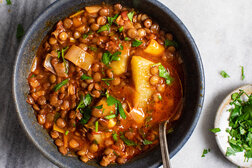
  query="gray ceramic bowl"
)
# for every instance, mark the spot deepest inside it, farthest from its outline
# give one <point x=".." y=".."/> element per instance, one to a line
<point x="193" y="83"/>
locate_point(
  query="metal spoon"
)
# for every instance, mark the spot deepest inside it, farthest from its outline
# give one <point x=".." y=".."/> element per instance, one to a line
<point x="163" y="139"/>
<point x="164" y="145"/>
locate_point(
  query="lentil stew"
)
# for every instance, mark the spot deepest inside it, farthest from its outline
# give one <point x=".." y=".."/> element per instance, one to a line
<point x="103" y="80"/>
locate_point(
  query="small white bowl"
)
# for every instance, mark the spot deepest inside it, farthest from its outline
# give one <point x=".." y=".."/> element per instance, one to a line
<point x="221" y="121"/>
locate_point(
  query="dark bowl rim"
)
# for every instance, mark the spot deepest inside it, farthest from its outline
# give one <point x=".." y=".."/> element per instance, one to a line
<point x="154" y="2"/>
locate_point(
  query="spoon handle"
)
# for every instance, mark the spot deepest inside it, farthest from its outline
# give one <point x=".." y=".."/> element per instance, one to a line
<point x="164" y="145"/>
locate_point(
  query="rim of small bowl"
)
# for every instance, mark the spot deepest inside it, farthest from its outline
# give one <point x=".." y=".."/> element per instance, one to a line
<point x="56" y="4"/>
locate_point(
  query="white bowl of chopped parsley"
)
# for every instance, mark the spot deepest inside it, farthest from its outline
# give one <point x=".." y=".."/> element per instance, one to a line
<point x="233" y="126"/>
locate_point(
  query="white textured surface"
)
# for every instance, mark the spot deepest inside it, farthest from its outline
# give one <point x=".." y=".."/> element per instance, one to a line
<point x="222" y="30"/>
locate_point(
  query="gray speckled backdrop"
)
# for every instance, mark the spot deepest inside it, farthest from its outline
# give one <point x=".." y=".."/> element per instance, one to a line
<point x="16" y="150"/>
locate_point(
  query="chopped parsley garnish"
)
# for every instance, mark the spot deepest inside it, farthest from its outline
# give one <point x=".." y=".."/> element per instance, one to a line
<point x="242" y="73"/>
<point x="62" y="55"/>
<point x="56" y="116"/>
<point x="92" y="48"/>
<point x="99" y="107"/>
<point x="127" y="141"/>
<point x="85" y="77"/>
<point x="86" y="115"/>
<point x="240" y="121"/>
<point x="8" y="2"/>
<point x="66" y="133"/>
<point x="106" y="27"/>
<point x="110" y="116"/>
<point x="130" y="15"/>
<point x="107" y="57"/>
<point x="205" y="151"/>
<point x="147" y="142"/>
<point x="170" y="43"/>
<point x="121" y="110"/>
<point x="33" y="75"/>
<point x="120" y="29"/>
<point x="115" y="136"/>
<point x="20" y="32"/>
<point x="84" y="101"/>
<point x="107" y="83"/>
<point x="121" y="46"/>
<point x="215" y="130"/>
<point x="59" y="85"/>
<point x="96" y="126"/>
<point x="113" y="101"/>
<point x="165" y="74"/>
<point x="159" y="97"/>
<point x="224" y="74"/>
<point x="107" y="79"/>
<point x="136" y="43"/>
<point x="111" y="19"/>
<point x="87" y="34"/>
<point x="127" y="39"/>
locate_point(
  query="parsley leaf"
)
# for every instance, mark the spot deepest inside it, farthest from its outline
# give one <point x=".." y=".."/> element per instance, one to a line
<point x="147" y="142"/>
<point x="215" y="130"/>
<point x="205" y="151"/>
<point x="127" y="141"/>
<point x="107" y="57"/>
<point x="242" y="73"/>
<point x="136" y="43"/>
<point x="111" y="19"/>
<point x="66" y="133"/>
<point x="121" y="46"/>
<point x="170" y="43"/>
<point x="130" y="15"/>
<point x="62" y="55"/>
<point x="164" y="74"/>
<point x="86" y="115"/>
<point x="115" y="136"/>
<point x="96" y="126"/>
<point x="8" y="2"/>
<point x="20" y="31"/>
<point x="230" y="151"/>
<point x="106" y="27"/>
<point x="120" y="29"/>
<point x="224" y="74"/>
<point x="110" y="116"/>
<point x="113" y="101"/>
<point x="87" y="34"/>
<point x="121" y="110"/>
<point x="92" y="48"/>
<point x="59" y="85"/>
<point x="99" y="107"/>
<point x="85" y="77"/>
<point x="127" y="39"/>
<point x="84" y="101"/>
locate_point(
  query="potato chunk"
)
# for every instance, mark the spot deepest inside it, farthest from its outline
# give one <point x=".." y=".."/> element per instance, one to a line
<point x="141" y="74"/>
<point x="79" y="57"/>
<point x="120" y="66"/>
<point x="154" y="48"/>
